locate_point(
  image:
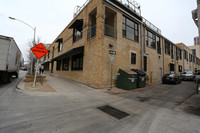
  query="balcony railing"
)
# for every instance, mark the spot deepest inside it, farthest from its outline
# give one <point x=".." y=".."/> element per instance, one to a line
<point x="151" y="26"/>
<point x="132" y="5"/>
<point x="91" y="32"/>
<point x="110" y="31"/>
<point x="78" y="9"/>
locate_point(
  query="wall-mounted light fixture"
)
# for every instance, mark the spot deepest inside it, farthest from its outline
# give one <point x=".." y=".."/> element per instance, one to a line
<point x="111" y="45"/>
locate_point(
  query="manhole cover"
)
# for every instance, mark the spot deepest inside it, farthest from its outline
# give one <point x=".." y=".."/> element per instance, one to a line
<point x="116" y="113"/>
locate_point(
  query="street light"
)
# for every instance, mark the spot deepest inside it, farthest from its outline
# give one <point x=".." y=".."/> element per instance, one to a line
<point x="34" y="29"/>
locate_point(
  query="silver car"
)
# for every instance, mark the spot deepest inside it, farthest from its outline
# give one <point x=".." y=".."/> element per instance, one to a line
<point x="187" y="76"/>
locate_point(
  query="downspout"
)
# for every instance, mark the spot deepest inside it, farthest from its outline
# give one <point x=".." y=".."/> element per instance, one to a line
<point x="175" y="59"/>
<point x="142" y="46"/>
<point x="163" y="49"/>
<point x="183" y="60"/>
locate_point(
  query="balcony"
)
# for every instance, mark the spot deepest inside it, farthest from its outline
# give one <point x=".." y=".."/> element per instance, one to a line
<point x="110" y="31"/>
<point x="91" y="32"/>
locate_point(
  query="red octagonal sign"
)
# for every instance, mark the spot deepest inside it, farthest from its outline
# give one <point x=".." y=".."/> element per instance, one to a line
<point x="39" y="50"/>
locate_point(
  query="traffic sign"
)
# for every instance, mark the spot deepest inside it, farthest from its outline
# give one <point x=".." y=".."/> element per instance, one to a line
<point x="39" y="50"/>
<point x="112" y="52"/>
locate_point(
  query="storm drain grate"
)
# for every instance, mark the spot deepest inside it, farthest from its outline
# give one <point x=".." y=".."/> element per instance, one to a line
<point x="116" y="113"/>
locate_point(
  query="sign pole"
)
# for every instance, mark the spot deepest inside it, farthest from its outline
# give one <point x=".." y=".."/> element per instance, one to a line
<point x="112" y="55"/>
<point x="112" y="58"/>
<point x="34" y="83"/>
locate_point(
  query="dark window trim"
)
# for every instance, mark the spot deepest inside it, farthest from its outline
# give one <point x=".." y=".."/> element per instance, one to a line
<point x="65" y="61"/>
<point x="135" y="29"/>
<point x="133" y="58"/>
<point x="77" y="62"/>
<point x="150" y="36"/>
<point x="145" y="63"/>
<point x="58" y="65"/>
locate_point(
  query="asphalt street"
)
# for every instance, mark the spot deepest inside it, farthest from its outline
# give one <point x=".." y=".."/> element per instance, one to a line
<point x="74" y="109"/>
<point x="164" y="95"/>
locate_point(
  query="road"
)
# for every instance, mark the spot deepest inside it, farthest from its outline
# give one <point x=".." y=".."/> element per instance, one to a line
<point x="164" y="95"/>
<point x="75" y="110"/>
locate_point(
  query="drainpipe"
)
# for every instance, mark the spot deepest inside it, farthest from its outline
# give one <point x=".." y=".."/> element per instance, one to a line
<point x="183" y="60"/>
<point x="163" y="52"/>
<point x="142" y="45"/>
<point x="175" y="61"/>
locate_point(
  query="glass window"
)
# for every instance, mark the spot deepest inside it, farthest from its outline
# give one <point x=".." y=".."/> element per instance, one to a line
<point x="65" y="64"/>
<point x="60" y="46"/>
<point x="133" y="58"/>
<point x="58" y="65"/>
<point x="130" y="29"/>
<point x="77" y="62"/>
<point x="150" y="39"/>
<point x="158" y="45"/>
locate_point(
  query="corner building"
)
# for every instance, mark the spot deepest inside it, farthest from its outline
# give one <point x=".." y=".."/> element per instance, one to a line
<point x="81" y="51"/>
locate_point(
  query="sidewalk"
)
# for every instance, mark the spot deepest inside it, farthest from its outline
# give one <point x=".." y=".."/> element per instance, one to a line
<point x="61" y="86"/>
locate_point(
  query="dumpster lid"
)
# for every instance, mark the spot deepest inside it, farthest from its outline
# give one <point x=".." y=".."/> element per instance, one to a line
<point x="139" y="72"/>
<point x="129" y="71"/>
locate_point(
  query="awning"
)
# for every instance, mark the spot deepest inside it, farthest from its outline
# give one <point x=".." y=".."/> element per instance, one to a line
<point x="76" y="23"/>
<point x="59" y="40"/>
<point x="78" y="49"/>
<point x="45" y="62"/>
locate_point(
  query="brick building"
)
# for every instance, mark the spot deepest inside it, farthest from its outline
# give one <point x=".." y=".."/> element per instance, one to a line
<point x="81" y="50"/>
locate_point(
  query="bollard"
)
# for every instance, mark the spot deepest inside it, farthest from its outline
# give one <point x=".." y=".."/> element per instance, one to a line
<point x="197" y="86"/>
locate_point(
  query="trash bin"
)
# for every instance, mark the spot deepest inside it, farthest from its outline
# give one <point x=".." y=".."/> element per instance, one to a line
<point x="126" y="79"/>
<point x="141" y="78"/>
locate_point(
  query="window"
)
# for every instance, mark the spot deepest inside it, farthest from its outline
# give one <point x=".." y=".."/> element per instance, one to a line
<point x="172" y="52"/>
<point x="58" y="65"/>
<point x="194" y="51"/>
<point x="130" y="29"/>
<point x="133" y="58"/>
<point x="59" y="46"/>
<point x="77" y="62"/>
<point x="158" y="45"/>
<point x="190" y="57"/>
<point x="185" y="53"/>
<point x="65" y="64"/>
<point x="167" y="48"/>
<point x="77" y="33"/>
<point x="48" y="53"/>
<point x="179" y="68"/>
<point x="150" y="39"/>
<point x="145" y="63"/>
<point x="171" y="67"/>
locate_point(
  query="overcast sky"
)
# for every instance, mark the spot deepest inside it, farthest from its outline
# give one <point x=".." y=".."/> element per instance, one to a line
<point x="50" y="17"/>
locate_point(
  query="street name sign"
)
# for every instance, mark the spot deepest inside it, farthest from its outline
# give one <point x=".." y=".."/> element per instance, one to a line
<point x="112" y="52"/>
<point x="39" y="50"/>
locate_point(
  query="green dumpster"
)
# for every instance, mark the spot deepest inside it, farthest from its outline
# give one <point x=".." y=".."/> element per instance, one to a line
<point x="141" y="78"/>
<point x="126" y="79"/>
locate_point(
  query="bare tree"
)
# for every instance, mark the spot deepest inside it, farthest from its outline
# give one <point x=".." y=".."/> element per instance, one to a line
<point x="30" y="55"/>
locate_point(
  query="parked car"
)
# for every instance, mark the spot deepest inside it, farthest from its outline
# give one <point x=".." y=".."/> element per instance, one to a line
<point x="171" y="78"/>
<point x="187" y="76"/>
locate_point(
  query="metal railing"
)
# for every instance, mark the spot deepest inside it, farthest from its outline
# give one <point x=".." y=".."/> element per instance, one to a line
<point x="151" y="26"/>
<point x="132" y="5"/>
<point x="110" y="31"/>
<point x="91" y="32"/>
<point x="78" y="9"/>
